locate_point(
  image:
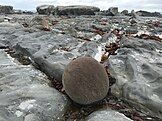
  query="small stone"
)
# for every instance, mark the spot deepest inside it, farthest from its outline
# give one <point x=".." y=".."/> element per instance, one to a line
<point x="85" y="80"/>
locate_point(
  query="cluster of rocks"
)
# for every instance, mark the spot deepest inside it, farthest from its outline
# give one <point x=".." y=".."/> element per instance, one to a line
<point x="76" y="10"/>
<point x="89" y="10"/>
<point x="6" y="9"/>
<point x="128" y="47"/>
<point x="67" y="10"/>
<point x="11" y="10"/>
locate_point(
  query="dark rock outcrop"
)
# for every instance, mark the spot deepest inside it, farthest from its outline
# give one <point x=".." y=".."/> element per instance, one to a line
<point x="25" y="94"/>
<point x="77" y="10"/>
<point x="148" y="14"/>
<point x="85" y="80"/>
<point x="46" y="9"/>
<point x="134" y="15"/>
<point x="125" y="12"/>
<point x="6" y="9"/>
<point x="113" y="11"/>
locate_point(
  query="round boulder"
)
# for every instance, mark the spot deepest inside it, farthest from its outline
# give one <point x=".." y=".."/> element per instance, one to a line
<point x="85" y="81"/>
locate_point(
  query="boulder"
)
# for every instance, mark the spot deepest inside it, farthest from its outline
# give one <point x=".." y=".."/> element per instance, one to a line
<point x="113" y="11"/>
<point x="85" y="81"/>
<point x="138" y="70"/>
<point x="125" y="12"/>
<point x="109" y="38"/>
<point x="6" y="9"/>
<point x="107" y="115"/>
<point x="134" y="14"/>
<point x="46" y="9"/>
<point x="77" y="10"/>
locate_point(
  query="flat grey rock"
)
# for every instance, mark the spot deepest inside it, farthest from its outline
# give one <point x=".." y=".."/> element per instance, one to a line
<point x="107" y="115"/>
<point x="25" y="94"/>
<point x="138" y="70"/>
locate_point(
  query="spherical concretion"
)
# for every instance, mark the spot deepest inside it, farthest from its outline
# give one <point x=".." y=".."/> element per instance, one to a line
<point x="85" y="80"/>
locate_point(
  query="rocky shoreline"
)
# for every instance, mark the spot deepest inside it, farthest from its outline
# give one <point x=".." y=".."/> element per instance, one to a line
<point x="35" y="48"/>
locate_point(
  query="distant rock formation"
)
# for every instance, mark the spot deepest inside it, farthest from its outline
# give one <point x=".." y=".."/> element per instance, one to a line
<point x="77" y="10"/>
<point x="46" y="9"/>
<point x="125" y="12"/>
<point x="67" y="10"/>
<point x="148" y="14"/>
<point x="112" y="11"/>
<point x="6" y="9"/>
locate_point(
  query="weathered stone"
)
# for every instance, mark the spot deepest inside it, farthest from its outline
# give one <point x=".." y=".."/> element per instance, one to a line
<point x="125" y="12"/>
<point x="107" y="115"/>
<point x="52" y="69"/>
<point x="46" y="9"/>
<point x="113" y="11"/>
<point x="131" y="30"/>
<point x="25" y="94"/>
<point x="85" y="80"/>
<point x="6" y="9"/>
<point x="109" y="38"/>
<point x="138" y="70"/>
<point x="134" y="14"/>
<point x="45" y="25"/>
<point x="148" y="14"/>
<point x="77" y="10"/>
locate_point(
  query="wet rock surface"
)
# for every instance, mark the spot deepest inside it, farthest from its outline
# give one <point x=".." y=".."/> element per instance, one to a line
<point x="25" y="94"/>
<point x="137" y="68"/>
<point x="107" y="115"/>
<point x="129" y="47"/>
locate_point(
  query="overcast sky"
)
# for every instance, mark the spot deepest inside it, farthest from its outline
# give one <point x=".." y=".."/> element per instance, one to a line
<point x="149" y="5"/>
